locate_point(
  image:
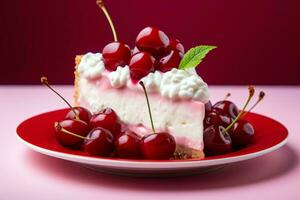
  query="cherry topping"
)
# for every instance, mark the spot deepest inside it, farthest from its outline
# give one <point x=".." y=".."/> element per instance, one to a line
<point x="128" y="145"/>
<point x="242" y="134"/>
<point x="71" y="132"/>
<point x="116" y="54"/>
<point x="140" y="65"/>
<point x="170" y="61"/>
<point x="158" y="146"/>
<point x="213" y="118"/>
<point x="99" y="142"/>
<point x="216" y="140"/>
<point x="152" y="40"/>
<point x="176" y="45"/>
<point x="226" y="108"/>
<point x="107" y="119"/>
<point x="83" y="114"/>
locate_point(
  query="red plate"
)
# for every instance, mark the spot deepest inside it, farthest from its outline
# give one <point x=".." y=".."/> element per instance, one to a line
<point x="38" y="134"/>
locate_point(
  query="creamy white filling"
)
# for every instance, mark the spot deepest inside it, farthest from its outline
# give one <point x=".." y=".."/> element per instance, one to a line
<point x="176" y="84"/>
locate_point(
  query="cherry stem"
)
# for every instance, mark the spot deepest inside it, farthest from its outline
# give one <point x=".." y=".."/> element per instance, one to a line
<point x="251" y="93"/>
<point x="44" y="81"/>
<point x="227" y="95"/>
<point x="104" y="10"/>
<point x="148" y="105"/>
<point x="261" y="96"/>
<point x="59" y="128"/>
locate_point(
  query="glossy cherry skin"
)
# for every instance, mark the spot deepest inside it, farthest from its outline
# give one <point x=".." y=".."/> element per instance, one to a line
<point x="140" y="65"/>
<point x="73" y="126"/>
<point x="213" y="118"/>
<point x="216" y="141"/>
<point x="169" y="61"/>
<point x="208" y="107"/>
<point x="83" y="114"/>
<point x="108" y="119"/>
<point x="158" y="146"/>
<point x="99" y="142"/>
<point x="153" y="40"/>
<point x="128" y="145"/>
<point x="226" y="108"/>
<point x="242" y="134"/>
<point x="176" y="45"/>
<point x="116" y="54"/>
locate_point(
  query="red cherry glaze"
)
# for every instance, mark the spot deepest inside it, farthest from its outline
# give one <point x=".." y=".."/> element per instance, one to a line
<point x="157" y="146"/>
<point x="73" y="126"/>
<point x="152" y="40"/>
<point x="176" y="45"/>
<point x="140" y="65"/>
<point x="99" y="142"/>
<point x="116" y="54"/>
<point x="170" y="61"/>
<point x="108" y="119"/>
<point x="216" y="141"/>
<point x="213" y="118"/>
<point x="226" y="108"/>
<point x="128" y="145"/>
<point x="83" y="114"/>
<point x="242" y="134"/>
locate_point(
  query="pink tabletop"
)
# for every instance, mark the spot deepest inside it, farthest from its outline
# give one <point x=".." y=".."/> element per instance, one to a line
<point x="25" y="174"/>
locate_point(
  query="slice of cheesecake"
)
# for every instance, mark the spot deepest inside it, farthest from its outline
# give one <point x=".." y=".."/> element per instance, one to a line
<point x="177" y="99"/>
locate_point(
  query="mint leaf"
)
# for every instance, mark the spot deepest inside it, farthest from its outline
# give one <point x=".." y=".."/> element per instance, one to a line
<point x="193" y="57"/>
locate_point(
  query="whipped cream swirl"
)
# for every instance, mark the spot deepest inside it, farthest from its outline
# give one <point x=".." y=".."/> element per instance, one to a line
<point x="120" y="77"/>
<point x="91" y="65"/>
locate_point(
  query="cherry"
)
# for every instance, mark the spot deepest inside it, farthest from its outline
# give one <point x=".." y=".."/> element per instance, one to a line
<point x="128" y="145"/>
<point x="71" y="132"/>
<point x="176" y="45"/>
<point x="158" y="146"/>
<point x="83" y="114"/>
<point x="242" y="134"/>
<point x="152" y="40"/>
<point x="140" y="65"/>
<point x="213" y="118"/>
<point x="107" y="119"/>
<point x="216" y="140"/>
<point x="226" y="108"/>
<point x="208" y="107"/>
<point x="99" y="142"/>
<point x="116" y="54"/>
<point x="170" y="61"/>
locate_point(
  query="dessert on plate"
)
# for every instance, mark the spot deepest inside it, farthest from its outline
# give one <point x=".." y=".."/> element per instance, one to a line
<point x="149" y="102"/>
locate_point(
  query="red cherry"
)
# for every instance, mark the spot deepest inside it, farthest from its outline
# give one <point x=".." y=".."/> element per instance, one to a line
<point x="216" y="141"/>
<point x="99" y="142"/>
<point x="170" y="61"/>
<point x="242" y="134"/>
<point x="128" y="145"/>
<point x="208" y="107"/>
<point x="158" y="146"/>
<point x="152" y="40"/>
<point x="74" y="126"/>
<point x="213" y="118"/>
<point x="176" y="45"/>
<point x="226" y="108"/>
<point x="140" y="65"/>
<point x="116" y="54"/>
<point x="83" y="114"/>
<point x="107" y="119"/>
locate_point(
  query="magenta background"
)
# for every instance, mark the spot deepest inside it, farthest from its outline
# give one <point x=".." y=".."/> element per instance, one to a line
<point x="258" y="40"/>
